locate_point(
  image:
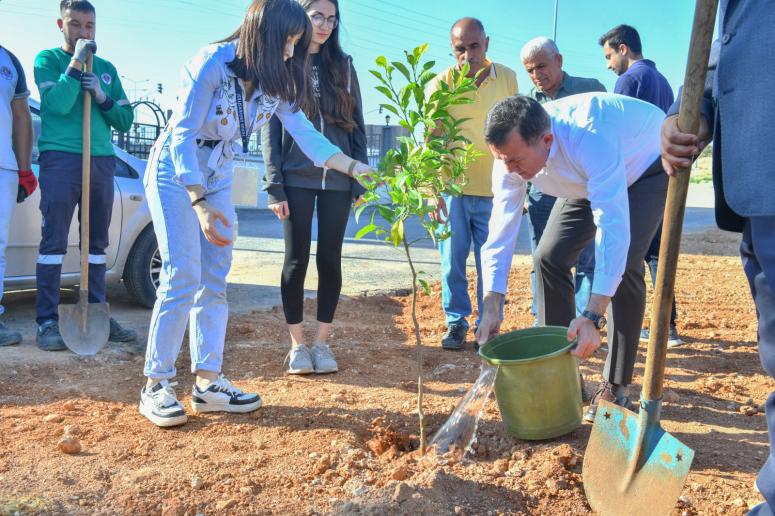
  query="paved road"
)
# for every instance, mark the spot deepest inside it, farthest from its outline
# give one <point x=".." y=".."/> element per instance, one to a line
<point x="369" y="266"/>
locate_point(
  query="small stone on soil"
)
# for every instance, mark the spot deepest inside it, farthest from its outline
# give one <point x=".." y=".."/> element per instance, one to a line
<point x="225" y="504"/>
<point x="53" y="418"/>
<point x="72" y="430"/>
<point x="69" y="445"/>
<point x="400" y="473"/>
<point x="402" y="492"/>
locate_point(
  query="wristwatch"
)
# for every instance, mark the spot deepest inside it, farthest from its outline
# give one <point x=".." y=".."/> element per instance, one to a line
<point x="597" y="319"/>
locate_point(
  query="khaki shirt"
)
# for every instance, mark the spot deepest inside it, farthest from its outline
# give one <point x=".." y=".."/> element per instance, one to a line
<point x="499" y="84"/>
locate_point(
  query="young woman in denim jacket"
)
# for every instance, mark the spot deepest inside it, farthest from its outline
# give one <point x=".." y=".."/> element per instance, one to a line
<point x="228" y="89"/>
<point x="295" y="185"/>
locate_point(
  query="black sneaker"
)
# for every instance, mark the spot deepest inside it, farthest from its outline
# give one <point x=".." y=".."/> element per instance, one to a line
<point x="455" y="338"/>
<point x="9" y="337"/>
<point x="120" y="334"/>
<point x="222" y="396"/>
<point x="48" y="338"/>
<point x="606" y="391"/>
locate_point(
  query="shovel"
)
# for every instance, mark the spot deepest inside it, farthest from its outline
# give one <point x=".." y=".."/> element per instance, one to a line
<point x="631" y="465"/>
<point x="85" y="326"/>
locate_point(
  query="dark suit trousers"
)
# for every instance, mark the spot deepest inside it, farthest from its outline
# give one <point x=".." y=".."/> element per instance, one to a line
<point x="569" y="230"/>
<point x="757" y="251"/>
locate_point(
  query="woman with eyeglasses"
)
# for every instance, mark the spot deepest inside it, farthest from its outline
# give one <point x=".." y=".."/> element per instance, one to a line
<point x="296" y="187"/>
<point x="228" y="89"/>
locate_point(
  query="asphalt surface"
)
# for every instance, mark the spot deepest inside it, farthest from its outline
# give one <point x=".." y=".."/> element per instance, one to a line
<point x="369" y="266"/>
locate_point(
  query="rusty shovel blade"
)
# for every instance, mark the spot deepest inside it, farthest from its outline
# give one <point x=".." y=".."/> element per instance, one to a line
<point x="84" y="326"/>
<point x="631" y="465"/>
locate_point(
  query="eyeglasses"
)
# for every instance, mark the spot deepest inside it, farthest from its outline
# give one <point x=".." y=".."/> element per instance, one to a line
<point x="319" y="21"/>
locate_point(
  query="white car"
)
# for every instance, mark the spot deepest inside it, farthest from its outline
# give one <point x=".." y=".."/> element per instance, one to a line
<point x="133" y="254"/>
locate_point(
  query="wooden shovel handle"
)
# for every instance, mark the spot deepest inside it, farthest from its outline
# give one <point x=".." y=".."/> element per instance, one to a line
<point x="85" y="185"/>
<point x="689" y="122"/>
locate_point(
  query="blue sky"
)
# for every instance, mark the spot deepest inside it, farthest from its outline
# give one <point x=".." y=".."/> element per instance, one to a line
<point x="148" y="40"/>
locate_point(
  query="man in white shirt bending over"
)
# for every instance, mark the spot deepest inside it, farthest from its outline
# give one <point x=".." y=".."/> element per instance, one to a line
<point x="599" y="154"/>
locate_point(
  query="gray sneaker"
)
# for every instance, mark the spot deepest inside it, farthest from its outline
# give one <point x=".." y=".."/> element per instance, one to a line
<point x="9" y="337"/>
<point x="299" y="360"/>
<point x="323" y="359"/>
<point x="673" y="339"/>
<point x="49" y="338"/>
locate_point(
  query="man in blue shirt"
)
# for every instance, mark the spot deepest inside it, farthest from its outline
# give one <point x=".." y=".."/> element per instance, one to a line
<point x="640" y="78"/>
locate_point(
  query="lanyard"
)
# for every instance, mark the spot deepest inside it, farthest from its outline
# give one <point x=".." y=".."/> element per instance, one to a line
<point x="241" y="115"/>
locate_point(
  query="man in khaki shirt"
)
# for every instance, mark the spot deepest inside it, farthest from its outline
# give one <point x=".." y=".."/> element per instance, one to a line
<point x="469" y="214"/>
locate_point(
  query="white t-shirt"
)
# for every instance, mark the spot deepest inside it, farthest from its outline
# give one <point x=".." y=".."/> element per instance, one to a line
<point x="13" y="86"/>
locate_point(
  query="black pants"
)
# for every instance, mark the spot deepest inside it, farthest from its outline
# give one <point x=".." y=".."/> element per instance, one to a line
<point x="333" y="210"/>
<point x="569" y="230"/>
<point x="60" y="193"/>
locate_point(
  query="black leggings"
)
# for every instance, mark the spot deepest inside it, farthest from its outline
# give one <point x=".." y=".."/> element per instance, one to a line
<point x="333" y="210"/>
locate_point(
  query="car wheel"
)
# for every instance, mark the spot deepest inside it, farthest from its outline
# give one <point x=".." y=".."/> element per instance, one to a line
<point x="143" y="266"/>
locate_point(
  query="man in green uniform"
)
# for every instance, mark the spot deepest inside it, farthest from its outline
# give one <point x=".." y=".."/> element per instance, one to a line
<point x="62" y="82"/>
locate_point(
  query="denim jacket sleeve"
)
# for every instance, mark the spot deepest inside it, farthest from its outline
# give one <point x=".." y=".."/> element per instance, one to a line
<point x="313" y="144"/>
<point x="201" y="77"/>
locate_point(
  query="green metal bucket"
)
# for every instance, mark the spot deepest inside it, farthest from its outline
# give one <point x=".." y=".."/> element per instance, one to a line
<point x="537" y="387"/>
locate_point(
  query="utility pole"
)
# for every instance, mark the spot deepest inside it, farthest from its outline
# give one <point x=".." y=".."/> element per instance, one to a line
<point x="134" y="85"/>
<point x="554" y="34"/>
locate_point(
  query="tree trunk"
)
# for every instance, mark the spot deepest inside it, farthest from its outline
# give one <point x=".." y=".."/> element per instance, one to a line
<point x="418" y="344"/>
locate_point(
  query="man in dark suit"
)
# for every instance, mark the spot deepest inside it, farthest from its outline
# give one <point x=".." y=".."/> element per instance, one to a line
<point x="737" y="112"/>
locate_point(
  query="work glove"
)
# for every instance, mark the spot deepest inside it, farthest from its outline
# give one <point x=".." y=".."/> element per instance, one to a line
<point x="27" y="184"/>
<point x="91" y="83"/>
<point x="83" y="48"/>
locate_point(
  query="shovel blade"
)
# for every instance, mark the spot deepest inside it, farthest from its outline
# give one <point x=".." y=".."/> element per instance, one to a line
<point x="85" y="327"/>
<point x="631" y="465"/>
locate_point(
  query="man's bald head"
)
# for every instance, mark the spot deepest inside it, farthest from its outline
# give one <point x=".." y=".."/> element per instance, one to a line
<point x="468" y="23"/>
<point x="469" y="44"/>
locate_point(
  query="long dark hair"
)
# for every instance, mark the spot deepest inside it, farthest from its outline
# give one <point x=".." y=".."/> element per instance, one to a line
<point x="261" y="42"/>
<point x="335" y="102"/>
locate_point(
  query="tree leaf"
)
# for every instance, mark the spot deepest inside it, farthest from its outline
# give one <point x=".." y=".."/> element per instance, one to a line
<point x="397" y="232"/>
<point x="386" y="212"/>
<point x="365" y="230"/>
<point x="401" y="67"/>
<point x="359" y="210"/>
<point x="425" y="287"/>
<point x="385" y="91"/>
<point x="381" y="61"/>
<point x="391" y="108"/>
<point x="404" y="96"/>
<point x="419" y="51"/>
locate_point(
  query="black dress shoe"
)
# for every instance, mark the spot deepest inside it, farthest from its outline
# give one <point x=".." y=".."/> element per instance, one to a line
<point x="455" y="338"/>
<point x="606" y="391"/>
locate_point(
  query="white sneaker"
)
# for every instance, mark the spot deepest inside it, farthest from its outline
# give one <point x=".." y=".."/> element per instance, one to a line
<point x="222" y="396"/>
<point x="323" y="359"/>
<point x="160" y="405"/>
<point x="299" y="360"/>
